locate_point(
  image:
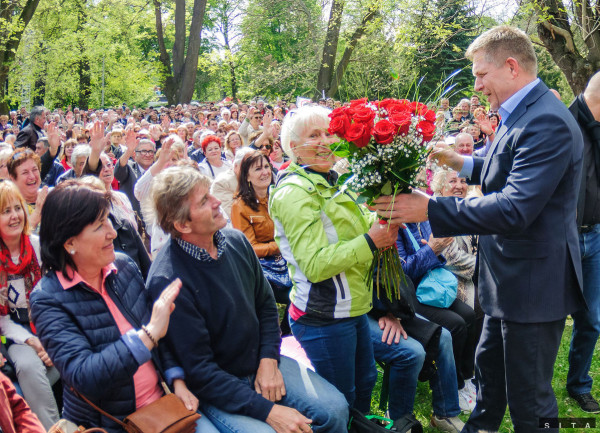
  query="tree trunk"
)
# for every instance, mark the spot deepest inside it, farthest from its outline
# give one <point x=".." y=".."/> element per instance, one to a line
<point x="554" y="30"/>
<point x="9" y="41"/>
<point x="341" y="67"/>
<point x="330" y="48"/>
<point x="180" y="77"/>
<point x="190" y="68"/>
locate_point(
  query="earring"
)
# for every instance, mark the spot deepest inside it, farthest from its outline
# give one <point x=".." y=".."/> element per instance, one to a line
<point x="72" y="252"/>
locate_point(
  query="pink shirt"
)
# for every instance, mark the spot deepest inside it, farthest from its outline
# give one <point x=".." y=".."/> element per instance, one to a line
<point x="145" y="379"/>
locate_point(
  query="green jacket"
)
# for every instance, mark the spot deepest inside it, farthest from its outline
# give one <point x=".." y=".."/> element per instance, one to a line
<point x="320" y="232"/>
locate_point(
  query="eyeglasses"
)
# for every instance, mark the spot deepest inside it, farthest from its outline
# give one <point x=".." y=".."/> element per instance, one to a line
<point x="145" y="152"/>
<point x="265" y="146"/>
<point x="258" y="117"/>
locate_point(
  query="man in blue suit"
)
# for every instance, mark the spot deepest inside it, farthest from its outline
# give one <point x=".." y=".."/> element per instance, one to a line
<point x="529" y="258"/>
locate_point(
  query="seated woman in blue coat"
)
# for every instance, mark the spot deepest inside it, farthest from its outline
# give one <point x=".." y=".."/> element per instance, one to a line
<point x="94" y="317"/>
<point x="458" y="318"/>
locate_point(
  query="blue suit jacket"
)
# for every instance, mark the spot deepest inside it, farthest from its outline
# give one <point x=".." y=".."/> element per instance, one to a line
<point x="529" y="258"/>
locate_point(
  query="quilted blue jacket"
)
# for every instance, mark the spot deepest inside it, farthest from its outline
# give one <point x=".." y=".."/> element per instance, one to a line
<point x="416" y="263"/>
<point x="84" y="342"/>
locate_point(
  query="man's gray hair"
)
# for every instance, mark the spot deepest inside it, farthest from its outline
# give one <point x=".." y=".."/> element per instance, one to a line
<point x="502" y="42"/>
<point x="146" y="141"/>
<point x="36" y="112"/>
<point x="79" y="151"/>
<point x="171" y="192"/>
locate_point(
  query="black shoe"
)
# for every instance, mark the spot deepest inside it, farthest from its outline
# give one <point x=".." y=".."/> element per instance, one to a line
<point x="587" y="403"/>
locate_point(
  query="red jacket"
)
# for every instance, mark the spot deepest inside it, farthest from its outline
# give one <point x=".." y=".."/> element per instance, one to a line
<point x="15" y="415"/>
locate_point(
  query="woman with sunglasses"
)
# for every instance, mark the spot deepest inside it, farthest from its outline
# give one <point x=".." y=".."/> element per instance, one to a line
<point x="213" y="164"/>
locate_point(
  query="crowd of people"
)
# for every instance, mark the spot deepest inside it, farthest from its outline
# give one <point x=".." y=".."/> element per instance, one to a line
<point x="224" y="210"/>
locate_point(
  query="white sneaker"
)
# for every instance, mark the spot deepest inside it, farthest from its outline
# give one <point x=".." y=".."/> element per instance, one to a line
<point x="466" y="403"/>
<point x="470" y="387"/>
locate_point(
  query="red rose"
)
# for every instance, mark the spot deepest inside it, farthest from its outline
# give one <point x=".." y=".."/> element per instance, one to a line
<point x="418" y="107"/>
<point x="339" y="111"/>
<point x="363" y="114"/>
<point x="398" y="106"/>
<point x="339" y="124"/>
<point x="401" y="120"/>
<point x="427" y="129"/>
<point x="384" y="131"/>
<point x="429" y="115"/>
<point x="359" y="134"/>
<point x="361" y="101"/>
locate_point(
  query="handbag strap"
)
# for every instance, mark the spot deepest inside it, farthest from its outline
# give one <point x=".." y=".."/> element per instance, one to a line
<point x="412" y="238"/>
<point x="106" y="414"/>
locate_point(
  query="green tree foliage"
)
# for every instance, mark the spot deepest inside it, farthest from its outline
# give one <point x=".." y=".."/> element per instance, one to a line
<point x="433" y="41"/>
<point x="14" y="18"/>
<point x="72" y="41"/>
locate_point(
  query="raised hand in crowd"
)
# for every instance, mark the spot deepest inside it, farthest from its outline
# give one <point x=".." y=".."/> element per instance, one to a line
<point x="97" y="144"/>
<point x="267" y="119"/>
<point x="53" y="134"/>
<point x="131" y="143"/>
<point x="166" y="153"/>
<point x="161" y="313"/>
<point x="484" y="124"/>
<point x="36" y="215"/>
<point x="288" y="420"/>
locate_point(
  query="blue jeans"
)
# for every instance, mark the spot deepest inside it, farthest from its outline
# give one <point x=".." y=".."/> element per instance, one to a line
<point x="342" y="353"/>
<point x="406" y="360"/>
<point x="586" y="324"/>
<point x="306" y="392"/>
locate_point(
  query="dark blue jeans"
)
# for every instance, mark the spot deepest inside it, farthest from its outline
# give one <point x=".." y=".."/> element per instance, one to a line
<point x="586" y="324"/>
<point x="406" y="360"/>
<point x="342" y="353"/>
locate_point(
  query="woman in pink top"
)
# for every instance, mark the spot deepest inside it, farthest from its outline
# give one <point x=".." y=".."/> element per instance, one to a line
<point x="94" y="317"/>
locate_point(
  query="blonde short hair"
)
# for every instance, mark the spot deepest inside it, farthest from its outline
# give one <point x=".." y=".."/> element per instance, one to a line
<point x="297" y="121"/>
<point x="438" y="182"/>
<point x="502" y="42"/>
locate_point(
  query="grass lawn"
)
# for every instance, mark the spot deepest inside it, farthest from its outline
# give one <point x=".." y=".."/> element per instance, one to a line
<point x="566" y="406"/>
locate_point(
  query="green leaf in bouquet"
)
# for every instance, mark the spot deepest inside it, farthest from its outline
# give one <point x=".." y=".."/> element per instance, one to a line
<point x="344" y="178"/>
<point x="387" y="188"/>
<point x="362" y="199"/>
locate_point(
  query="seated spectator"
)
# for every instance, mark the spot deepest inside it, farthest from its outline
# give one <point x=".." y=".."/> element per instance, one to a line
<point x="231" y="360"/>
<point x="5" y="155"/>
<point x="15" y="414"/>
<point x="225" y="186"/>
<point x="93" y="314"/>
<point x="399" y="340"/>
<point x="454" y="124"/>
<point x="78" y="158"/>
<point x="459" y="318"/>
<point x="20" y="271"/>
<point x="463" y="144"/>
<point x="195" y="150"/>
<point x="24" y="170"/>
<point x="461" y="253"/>
<point x="128" y="240"/>
<point x="250" y="214"/>
<point x="213" y="164"/>
<point x="233" y="142"/>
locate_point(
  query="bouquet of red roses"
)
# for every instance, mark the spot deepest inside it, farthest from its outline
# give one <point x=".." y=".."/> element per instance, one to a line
<point x="385" y="143"/>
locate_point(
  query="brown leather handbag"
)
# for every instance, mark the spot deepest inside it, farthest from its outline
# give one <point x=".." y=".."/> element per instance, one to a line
<point x="168" y="414"/>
